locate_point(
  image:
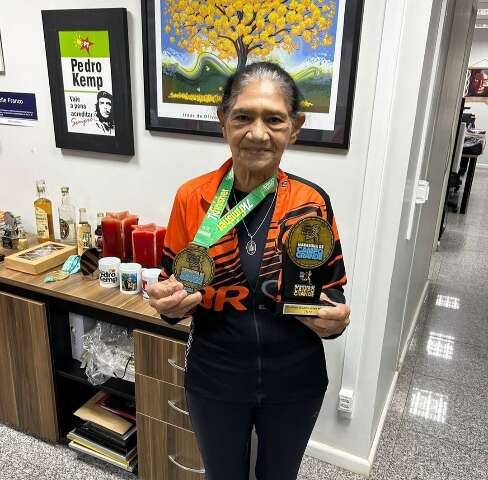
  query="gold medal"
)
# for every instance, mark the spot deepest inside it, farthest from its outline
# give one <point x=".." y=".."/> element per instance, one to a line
<point x="310" y="242"/>
<point x="194" y="268"/>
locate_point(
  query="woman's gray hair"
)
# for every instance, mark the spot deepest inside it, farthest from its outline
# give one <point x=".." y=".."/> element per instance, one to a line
<point x="261" y="71"/>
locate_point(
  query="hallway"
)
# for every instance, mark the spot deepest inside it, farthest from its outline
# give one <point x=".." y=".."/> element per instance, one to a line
<point x="437" y="426"/>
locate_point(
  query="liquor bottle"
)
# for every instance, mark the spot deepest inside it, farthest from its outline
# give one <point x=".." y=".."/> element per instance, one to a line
<point x="84" y="233"/>
<point x="67" y="218"/>
<point x="22" y="242"/>
<point x="44" y="214"/>
<point x="99" y="234"/>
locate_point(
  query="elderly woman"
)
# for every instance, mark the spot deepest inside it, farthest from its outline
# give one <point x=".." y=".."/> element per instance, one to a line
<point x="247" y="365"/>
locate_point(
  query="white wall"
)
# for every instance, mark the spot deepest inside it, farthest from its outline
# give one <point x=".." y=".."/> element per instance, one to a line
<point x="357" y="180"/>
<point x="479" y="58"/>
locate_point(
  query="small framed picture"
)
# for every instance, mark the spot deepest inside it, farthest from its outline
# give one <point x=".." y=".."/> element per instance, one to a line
<point x="2" y="60"/>
<point x="88" y="64"/>
<point x="40" y="258"/>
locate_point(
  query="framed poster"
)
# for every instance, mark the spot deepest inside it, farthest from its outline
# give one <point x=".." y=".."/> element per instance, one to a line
<point x="476" y="88"/>
<point x="191" y="48"/>
<point x="88" y="64"/>
<point x="2" y="61"/>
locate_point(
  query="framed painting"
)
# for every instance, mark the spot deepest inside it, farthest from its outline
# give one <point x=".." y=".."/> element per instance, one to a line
<point x="2" y="61"/>
<point x="476" y="87"/>
<point x="191" y="48"/>
<point x="88" y="64"/>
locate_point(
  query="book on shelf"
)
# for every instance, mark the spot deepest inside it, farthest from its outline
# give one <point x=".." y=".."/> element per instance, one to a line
<point x="91" y="412"/>
<point x="81" y="448"/>
<point x="106" y="437"/>
<point x="120" y="406"/>
<point x="115" y="454"/>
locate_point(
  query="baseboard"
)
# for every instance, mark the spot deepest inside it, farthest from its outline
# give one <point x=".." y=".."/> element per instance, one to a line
<point x="338" y="457"/>
<point x="351" y="462"/>
<point x="481" y="165"/>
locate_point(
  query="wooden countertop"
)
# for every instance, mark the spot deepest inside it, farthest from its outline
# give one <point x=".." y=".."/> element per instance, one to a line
<point x="87" y="292"/>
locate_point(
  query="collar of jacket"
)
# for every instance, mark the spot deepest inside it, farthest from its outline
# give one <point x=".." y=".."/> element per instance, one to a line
<point x="210" y="188"/>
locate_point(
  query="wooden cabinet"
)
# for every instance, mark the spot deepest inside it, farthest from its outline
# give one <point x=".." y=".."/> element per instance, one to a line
<point x="167" y="446"/>
<point x="167" y="452"/>
<point x="26" y="380"/>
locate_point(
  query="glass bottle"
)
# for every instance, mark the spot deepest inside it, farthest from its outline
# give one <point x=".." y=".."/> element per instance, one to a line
<point x="44" y="214"/>
<point x="22" y="242"/>
<point x="84" y="233"/>
<point x="98" y="233"/>
<point x="67" y="218"/>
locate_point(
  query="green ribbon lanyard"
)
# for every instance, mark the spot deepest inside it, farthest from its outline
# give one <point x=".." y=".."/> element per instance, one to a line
<point x="214" y="226"/>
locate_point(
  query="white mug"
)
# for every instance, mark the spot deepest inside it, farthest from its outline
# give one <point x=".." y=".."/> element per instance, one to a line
<point x="130" y="278"/>
<point x="149" y="277"/>
<point x="109" y="272"/>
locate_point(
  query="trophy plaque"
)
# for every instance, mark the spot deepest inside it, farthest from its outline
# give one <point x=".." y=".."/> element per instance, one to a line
<point x="194" y="268"/>
<point x="308" y="246"/>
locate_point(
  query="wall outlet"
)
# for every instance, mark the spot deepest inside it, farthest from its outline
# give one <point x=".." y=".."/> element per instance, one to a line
<point x="346" y="401"/>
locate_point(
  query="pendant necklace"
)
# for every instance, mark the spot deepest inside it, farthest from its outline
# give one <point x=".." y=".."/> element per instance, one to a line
<point x="251" y="247"/>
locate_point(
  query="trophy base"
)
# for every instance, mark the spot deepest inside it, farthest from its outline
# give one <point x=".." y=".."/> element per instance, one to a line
<point x="301" y="309"/>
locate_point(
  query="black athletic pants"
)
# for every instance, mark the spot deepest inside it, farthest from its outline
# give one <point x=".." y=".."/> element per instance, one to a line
<point x="223" y="431"/>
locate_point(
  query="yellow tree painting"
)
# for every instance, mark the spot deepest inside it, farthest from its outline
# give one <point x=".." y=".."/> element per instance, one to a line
<point x="204" y="42"/>
<point x="236" y="29"/>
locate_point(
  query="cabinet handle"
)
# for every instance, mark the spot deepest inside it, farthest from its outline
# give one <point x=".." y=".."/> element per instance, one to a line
<point x="188" y="469"/>
<point x="175" y="365"/>
<point x="172" y="404"/>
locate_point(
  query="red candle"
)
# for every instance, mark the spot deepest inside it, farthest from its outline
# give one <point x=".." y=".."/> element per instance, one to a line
<point x="112" y="238"/>
<point x="147" y="244"/>
<point x="116" y="231"/>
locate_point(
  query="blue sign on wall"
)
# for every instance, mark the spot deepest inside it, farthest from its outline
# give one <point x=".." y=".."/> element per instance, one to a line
<point x="17" y="107"/>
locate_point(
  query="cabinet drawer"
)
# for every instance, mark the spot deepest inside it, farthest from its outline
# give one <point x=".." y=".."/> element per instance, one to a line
<point x="167" y="452"/>
<point x="159" y="357"/>
<point x="162" y="401"/>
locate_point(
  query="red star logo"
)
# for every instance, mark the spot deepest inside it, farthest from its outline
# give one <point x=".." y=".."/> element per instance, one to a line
<point x="85" y="44"/>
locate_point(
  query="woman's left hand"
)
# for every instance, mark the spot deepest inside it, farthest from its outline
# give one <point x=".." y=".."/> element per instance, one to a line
<point x="331" y="320"/>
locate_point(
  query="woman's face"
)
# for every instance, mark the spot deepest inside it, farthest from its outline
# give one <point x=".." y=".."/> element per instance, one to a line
<point x="259" y="127"/>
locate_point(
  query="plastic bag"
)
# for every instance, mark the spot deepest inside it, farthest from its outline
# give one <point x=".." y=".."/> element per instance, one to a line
<point x="109" y="352"/>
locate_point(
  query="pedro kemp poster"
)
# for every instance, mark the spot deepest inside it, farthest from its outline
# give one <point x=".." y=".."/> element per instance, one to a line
<point x="199" y="44"/>
<point x="87" y="81"/>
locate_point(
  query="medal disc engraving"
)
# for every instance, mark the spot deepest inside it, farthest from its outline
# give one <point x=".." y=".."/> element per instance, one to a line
<point x="310" y="242"/>
<point x="194" y="268"/>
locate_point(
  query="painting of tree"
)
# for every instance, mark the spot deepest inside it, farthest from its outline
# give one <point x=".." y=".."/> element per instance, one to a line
<point x="236" y="29"/>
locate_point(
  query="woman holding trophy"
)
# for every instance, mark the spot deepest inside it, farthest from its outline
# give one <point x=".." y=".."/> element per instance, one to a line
<point x="253" y="253"/>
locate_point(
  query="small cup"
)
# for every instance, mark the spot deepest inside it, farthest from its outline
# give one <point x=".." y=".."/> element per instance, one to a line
<point x="130" y="278"/>
<point x="109" y="272"/>
<point x="149" y="276"/>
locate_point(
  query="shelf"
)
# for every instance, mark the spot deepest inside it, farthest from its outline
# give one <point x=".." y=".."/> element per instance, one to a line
<point x="116" y="386"/>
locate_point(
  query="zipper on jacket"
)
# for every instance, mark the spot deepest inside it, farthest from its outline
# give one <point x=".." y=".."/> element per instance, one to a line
<point x="258" y="340"/>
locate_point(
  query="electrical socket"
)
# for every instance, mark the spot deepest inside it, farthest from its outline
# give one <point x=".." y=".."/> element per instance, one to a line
<point x="346" y="401"/>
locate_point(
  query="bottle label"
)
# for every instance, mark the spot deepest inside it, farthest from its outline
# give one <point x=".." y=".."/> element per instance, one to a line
<point x="42" y="223"/>
<point x="67" y="230"/>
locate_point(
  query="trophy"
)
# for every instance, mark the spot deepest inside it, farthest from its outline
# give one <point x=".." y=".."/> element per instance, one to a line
<point x="308" y="246"/>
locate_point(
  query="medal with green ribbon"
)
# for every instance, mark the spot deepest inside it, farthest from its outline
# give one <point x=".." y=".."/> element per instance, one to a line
<point x="193" y="266"/>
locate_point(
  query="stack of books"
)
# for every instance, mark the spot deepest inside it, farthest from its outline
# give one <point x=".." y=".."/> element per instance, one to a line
<point x="108" y="432"/>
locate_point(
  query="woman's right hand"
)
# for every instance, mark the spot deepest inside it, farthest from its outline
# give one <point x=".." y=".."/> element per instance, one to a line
<point x="169" y="298"/>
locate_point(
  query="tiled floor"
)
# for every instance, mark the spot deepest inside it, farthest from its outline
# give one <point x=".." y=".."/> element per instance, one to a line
<point x="437" y="425"/>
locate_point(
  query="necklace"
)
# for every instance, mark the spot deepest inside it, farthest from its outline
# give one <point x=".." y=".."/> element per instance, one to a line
<point x="251" y="247"/>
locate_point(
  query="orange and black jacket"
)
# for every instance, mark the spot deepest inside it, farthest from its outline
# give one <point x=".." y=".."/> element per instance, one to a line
<point x="239" y="350"/>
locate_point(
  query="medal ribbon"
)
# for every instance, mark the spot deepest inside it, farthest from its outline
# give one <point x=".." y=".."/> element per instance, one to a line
<point x="214" y="226"/>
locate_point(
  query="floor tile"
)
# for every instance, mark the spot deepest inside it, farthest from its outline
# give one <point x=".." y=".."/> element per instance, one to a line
<point x="314" y="469"/>
<point x="448" y="411"/>
<point x="424" y="457"/>
<point x="447" y="359"/>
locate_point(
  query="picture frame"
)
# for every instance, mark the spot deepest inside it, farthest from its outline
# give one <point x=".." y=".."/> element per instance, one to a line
<point x="476" y="86"/>
<point x="185" y="70"/>
<point x="2" y="59"/>
<point x="87" y="55"/>
<point x="40" y="258"/>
